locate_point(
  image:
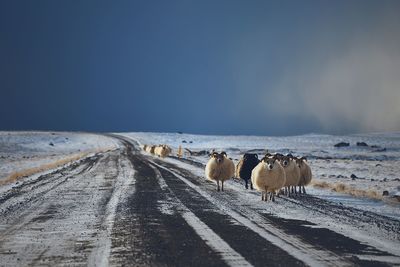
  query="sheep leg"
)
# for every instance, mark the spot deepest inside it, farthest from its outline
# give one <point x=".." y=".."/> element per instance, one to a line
<point x="262" y="196"/>
<point x="273" y="196"/>
<point x="222" y="185"/>
<point x="247" y="184"/>
<point x="251" y="185"/>
<point x="217" y="186"/>
<point x="266" y="194"/>
<point x="304" y="190"/>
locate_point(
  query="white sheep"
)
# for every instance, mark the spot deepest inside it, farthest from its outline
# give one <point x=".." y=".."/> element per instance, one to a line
<point x="292" y="173"/>
<point x="219" y="168"/>
<point x="305" y="174"/>
<point x="268" y="177"/>
<point x="162" y="151"/>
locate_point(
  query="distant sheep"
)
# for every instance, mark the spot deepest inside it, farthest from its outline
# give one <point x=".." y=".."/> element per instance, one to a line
<point x="245" y="167"/>
<point x="305" y="174"/>
<point x="219" y="168"/>
<point x="150" y="149"/>
<point x="268" y="177"/>
<point x="292" y="173"/>
<point x="162" y="151"/>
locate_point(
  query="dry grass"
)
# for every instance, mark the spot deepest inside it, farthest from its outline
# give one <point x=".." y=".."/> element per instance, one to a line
<point x="58" y="163"/>
<point x="343" y="188"/>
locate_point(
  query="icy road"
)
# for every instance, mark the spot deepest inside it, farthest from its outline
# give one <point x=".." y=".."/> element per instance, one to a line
<point x="124" y="207"/>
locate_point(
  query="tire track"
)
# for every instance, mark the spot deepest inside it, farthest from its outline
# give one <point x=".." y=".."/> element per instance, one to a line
<point x="320" y="239"/>
<point x="153" y="237"/>
<point x="229" y="255"/>
<point x="61" y="215"/>
<point x="232" y="232"/>
<point x="283" y="246"/>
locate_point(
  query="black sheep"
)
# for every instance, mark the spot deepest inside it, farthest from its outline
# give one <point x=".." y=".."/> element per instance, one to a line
<point x="245" y="166"/>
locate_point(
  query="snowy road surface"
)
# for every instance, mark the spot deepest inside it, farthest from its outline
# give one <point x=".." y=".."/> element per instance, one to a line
<point x="123" y="207"/>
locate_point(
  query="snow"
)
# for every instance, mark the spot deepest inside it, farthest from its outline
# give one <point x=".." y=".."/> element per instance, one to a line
<point x="364" y="232"/>
<point x="228" y="254"/>
<point x="100" y="254"/>
<point x="24" y="150"/>
<point x="289" y="243"/>
<point x="375" y="171"/>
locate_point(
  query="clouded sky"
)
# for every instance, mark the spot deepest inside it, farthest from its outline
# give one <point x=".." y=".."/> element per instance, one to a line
<point x="209" y="67"/>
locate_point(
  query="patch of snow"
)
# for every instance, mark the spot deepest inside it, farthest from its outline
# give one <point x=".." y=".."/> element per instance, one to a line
<point x="100" y="254"/>
<point x="25" y="150"/>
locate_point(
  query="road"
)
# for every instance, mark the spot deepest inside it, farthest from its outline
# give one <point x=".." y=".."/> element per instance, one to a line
<point x="123" y="207"/>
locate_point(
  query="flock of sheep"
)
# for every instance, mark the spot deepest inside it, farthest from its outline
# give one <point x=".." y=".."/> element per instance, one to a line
<point x="273" y="174"/>
<point x="161" y="151"/>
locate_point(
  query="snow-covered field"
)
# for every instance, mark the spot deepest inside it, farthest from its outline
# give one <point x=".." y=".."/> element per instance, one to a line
<point x="118" y="205"/>
<point x="21" y="151"/>
<point x="376" y="167"/>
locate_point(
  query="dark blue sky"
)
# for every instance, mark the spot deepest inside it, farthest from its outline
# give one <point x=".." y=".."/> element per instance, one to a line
<point x="209" y="67"/>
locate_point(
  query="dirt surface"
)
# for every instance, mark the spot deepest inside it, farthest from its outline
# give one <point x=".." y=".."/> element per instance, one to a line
<point x="124" y="207"/>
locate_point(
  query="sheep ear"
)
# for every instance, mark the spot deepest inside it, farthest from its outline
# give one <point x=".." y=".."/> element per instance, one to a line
<point x="304" y="158"/>
<point x="224" y="153"/>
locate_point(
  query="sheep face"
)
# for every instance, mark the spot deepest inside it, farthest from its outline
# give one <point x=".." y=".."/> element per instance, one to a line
<point x="300" y="161"/>
<point x="250" y="157"/>
<point x="285" y="161"/>
<point x="269" y="163"/>
<point x="218" y="157"/>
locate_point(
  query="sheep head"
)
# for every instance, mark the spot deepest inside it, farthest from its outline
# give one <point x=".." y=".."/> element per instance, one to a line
<point x="285" y="160"/>
<point x="218" y="157"/>
<point x="270" y="162"/>
<point x="250" y="157"/>
<point x="300" y="161"/>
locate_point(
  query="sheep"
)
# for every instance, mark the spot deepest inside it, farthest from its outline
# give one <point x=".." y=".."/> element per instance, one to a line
<point x="150" y="149"/>
<point x="268" y="177"/>
<point x="162" y="151"/>
<point x="245" y="166"/>
<point x="144" y="147"/>
<point x="219" y="168"/>
<point x="292" y="173"/>
<point x="305" y="174"/>
<point x="179" y="153"/>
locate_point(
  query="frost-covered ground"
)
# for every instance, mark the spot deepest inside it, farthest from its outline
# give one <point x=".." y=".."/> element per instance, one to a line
<point x="376" y="166"/>
<point x="124" y="206"/>
<point x="20" y="151"/>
